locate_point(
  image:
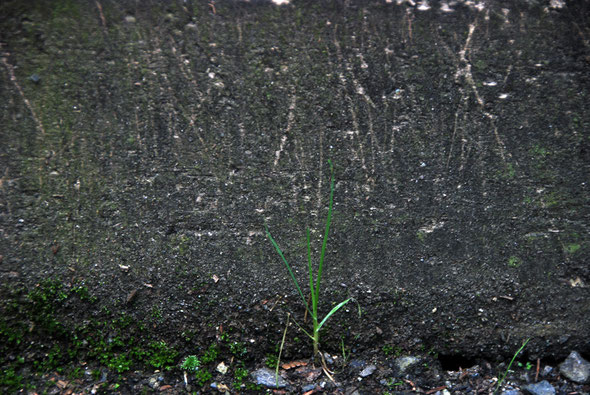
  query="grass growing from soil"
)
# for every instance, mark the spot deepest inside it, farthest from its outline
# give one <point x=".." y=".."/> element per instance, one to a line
<point x="509" y="365"/>
<point x="314" y="284"/>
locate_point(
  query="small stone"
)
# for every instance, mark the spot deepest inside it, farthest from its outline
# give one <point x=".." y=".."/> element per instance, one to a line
<point x="222" y="368"/>
<point x="130" y="19"/>
<point x="220" y="387"/>
<point x="368" y="371"/>
<point x="153" y="382"/>
<point x="547" y="370"/>
<point x="542" y="388"/>
<point x="403" y="364"/>
<point x="267" y="377"/>
<point x="576" y="368"/>
<point x="512" y="392"/>
<point x="35" y="78"/>
<point x="62" y="384"/>
<point x="357" y="363"/>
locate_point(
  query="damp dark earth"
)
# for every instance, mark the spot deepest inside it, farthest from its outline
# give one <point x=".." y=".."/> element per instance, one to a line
<point x="146" y="146"/>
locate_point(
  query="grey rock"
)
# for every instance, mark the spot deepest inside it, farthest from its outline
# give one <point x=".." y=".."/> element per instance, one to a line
<point x="576" y="368"/>
<point x="368" y="371"/>
<point x="154" y="381"/>
<point x="328" y="358"/>
<point x="403" y="364"/>
<point x="547" y="370"/>
<point x="267" y="377"/>
<point x="357" y="363"/>
<point x="541" y="388"/>
<point x="511" y="392"/>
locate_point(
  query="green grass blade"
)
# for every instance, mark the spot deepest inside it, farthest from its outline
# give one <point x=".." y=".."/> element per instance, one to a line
<point x="314" y="300"/>
<point x="274" y="243"/>
<point x="509" y="365"/>
<point x="335" y="309"/>
<point x="327" y="231"/>
<point x="302" y="329"/>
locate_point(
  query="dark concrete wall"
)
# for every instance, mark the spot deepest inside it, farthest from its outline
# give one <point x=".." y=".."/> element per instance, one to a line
<point x="159" y="139"/>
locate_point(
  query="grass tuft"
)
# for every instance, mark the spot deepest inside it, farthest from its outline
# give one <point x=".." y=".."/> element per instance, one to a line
<point x="314" y="283"/>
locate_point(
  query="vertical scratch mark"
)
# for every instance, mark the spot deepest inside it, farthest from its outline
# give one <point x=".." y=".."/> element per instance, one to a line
<point x="508" y="71"/>
<point x="192" y="125"/>
<point x="498" y="139"/>
<point x="278" y="152"/>
<point x="184" y="66"/>
<point x="138" y="135"/>
<point x="22" y="94"/>
<point x="408" y="12"/>
<point x="373" y="142"/>
<point x="102" y="19"/>
<point x="465" y="72"/>
<point x="290" y="119"/>
<point x="394" y="129"/>
<point x="355" y="133"/>
<point x="240" y="38"/>
<point x="453" y="138"/>
<point x="355" y="124"/>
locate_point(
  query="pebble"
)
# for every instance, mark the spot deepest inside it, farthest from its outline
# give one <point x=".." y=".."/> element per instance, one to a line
<point x="403" y="364"/>
<point x="267" y="377"/>
<point x="357" y="364"/>
<point x="368" y="371"/>
<point x="222" y="368"/>
<point x="541" y="388"/>
<point x="576" y="368"/>
<point x="547" y="370"/>
<point x="155" y="381"/>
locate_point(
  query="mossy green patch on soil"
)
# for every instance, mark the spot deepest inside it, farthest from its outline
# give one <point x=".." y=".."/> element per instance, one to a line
<point x="36" y="334"/>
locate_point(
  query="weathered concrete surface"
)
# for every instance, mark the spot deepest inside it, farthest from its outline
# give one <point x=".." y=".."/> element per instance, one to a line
<point x="160" y="138"/>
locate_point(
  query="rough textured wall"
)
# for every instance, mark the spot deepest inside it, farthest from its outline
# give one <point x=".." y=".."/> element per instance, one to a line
<point x="145" y="145"/>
